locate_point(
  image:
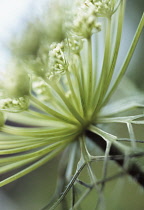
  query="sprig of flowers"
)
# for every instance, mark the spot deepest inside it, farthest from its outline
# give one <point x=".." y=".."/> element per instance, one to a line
<point x="65" y="91"/>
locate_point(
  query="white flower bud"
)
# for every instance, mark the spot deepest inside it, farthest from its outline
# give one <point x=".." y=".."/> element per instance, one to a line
<point x="105" y="8"/>
<point x="14" y="104"/>
<point x="85" y="20"/>
<point x="75" y="43"/>
<point x="57" y="62"/>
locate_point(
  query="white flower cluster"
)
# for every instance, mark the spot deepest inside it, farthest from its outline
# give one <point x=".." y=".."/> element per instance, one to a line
<point x="75" y="44"/>
<point x="105" y="8"/>
<point x="15" y="104"/>
<point x="57" y="62"/>
<point x="85" y="22"/>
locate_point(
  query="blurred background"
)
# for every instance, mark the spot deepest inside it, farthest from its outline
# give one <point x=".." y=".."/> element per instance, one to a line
<point x="34" y="190"/>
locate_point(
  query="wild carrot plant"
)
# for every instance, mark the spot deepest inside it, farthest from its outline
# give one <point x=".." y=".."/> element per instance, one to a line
<point x="63" y="97"/>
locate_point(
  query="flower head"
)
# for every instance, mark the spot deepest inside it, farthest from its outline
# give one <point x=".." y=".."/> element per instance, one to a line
<point x="105" y="7"/>
<point x="85" y="22"/>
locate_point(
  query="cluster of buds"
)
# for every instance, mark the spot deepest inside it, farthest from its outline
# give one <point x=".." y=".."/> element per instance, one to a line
<point x="85" y="22"/>
<point x="14" y="105"/>
<point x="57" y="62"/>
<point x="105" y="8"/>
<point x="75" y="44"/>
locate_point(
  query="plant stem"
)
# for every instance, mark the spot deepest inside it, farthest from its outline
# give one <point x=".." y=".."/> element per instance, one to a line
<point x="51" y="111"/>
<point x="116" y="47"/>
<point x="133" y="169"/>
<point x="127" y="60"/>
<point x="99" y="93"/>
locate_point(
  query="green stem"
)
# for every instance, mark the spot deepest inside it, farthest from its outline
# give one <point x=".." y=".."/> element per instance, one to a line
<point x="39" y="132"/>
<point x="80" y="85"/>
<point x="117" y="42"/>
<point x="90" y="77"/>
<point x="131" y="135"/>
<point x="127" y="59"/>
<point x="109" y="138"/>
<point x="118" y="154"/>
<point x="74" y="96"/>
<point x="51" y="111"/>
<point x="71" y="108"/>
<point x="32" y="167"/>
<point x="116" y="48"/>
<point x="98" y="96"/>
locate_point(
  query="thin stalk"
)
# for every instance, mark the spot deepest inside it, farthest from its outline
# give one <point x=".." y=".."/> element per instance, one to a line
<point x="89" y="74"/>
<point x="69" y="186"/>
<point x="95" y="63"/>
<point x="21" y="160"/>
<point x="36" y="145"/>
<point x="116" y="47"/>
<point x="39" y="132"/>
<point x="80" y="86"/>
<point x="66" y="101"/>
<point x="127" y="59"/>
<point x="92" y="186"/>
<point x="133" y="169"/>
<point x="76" y="205"/>
<point x="81" y="71"/>
<point x="109" y="138"/>
<point x="105" y="165"/>
<point x="22" y="149"/>
<point x="74" y="96"/>
<point x="31" y="154"/>
<point x="131" y="135"/>
<point x="98" y="95"/>
<point x="32" y="167"/>
<point x="51" y="111"/>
